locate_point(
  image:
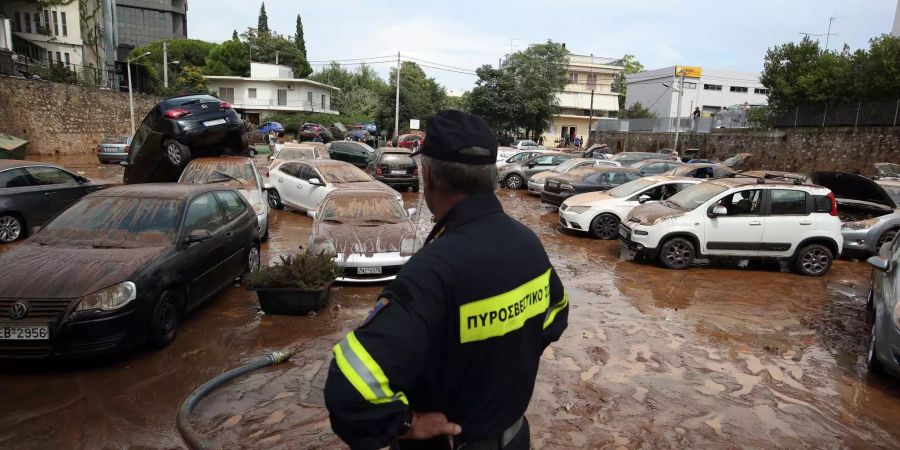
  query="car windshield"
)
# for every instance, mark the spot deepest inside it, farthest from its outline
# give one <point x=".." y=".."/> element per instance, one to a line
<point x="343" y="174"/>
<point x="115" y="140"/>
<point x="118" y="222"/>
<point x="630" y="188"/>
<point x="397" y="158"/>
<point x="566" y="166"/>
<point x="696" y="195"/>
<point x="582" y="173"/>
<point x="367" y="208"/>
<point x="297" y="153"/>
<point x="200" y="171"/>
<point x="894" y="192"/>
<point x="363" y="145"/>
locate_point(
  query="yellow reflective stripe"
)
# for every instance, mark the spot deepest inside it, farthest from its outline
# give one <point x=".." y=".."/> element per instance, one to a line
<point x="350" y="374"/>
<point x="506" y="312"/>
<point x="556" y="309"/>
<point x="363" y="372"/>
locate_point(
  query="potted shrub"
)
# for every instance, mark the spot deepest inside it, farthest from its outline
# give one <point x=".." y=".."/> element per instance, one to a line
<point x="298" y="284"/>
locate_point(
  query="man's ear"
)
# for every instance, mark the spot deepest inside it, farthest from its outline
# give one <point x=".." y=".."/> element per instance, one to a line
<point x="426" y="176"/>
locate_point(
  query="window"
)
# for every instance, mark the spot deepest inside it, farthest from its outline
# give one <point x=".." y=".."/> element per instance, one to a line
<point x="543" y="161"/>
<point x="251" y="93"/>
<point x="282" y="97"/>
<point x="309" y="97"/>
<point x="689" y="85"/>
<point x="592" y="80"/>
<point x="58" y="58"/>
<point x="738" y="89"/>
<point x="323" y="101"/>
<point x="37" y="22"/>
<point x="27" y="23"/>
<point x="743" y="203"/>
<point x="67" y="59"/>
<point x="55" y="23"/>
<point x="789" y="202"/>
<point x="712" y="87"/>
<point x="203" y="214"/>
<point x="65" y="29"/>
<point x="45" y="176"/>
<point x="573" y="77"/>
<point x="17" y="22"/>
<point x="46" y="21"/>
<point x="49" y="56"/>
<point x="761" y="91"/>
<point x="232" y="205"/>
<point x="292" y="169"/>
<point x="307" y="173"/>
<point x="561" y="159"/>
<point x="14" y="178"/>
<point x="226" y="94"/>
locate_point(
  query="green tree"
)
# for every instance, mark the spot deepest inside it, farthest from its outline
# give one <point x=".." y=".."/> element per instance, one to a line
<point x="359" y="89"/>
<point x="229" y="58"/>
<point x="263" y="21"/>
<point x="420" y="97"/>
<point x="495" y="98"/>
<point x="189" y="81"/>
<point x="298" y="37"/>
<point x="190" y="52"/>
<point x="234" y="36"/>
<point x="878" y="70"/>
<point x="540" y="73"/>
<point x="461" y="103"/>
<point x="630" y="65"/>
<point x="264" y="47"/>
<point x="636" y="111"/>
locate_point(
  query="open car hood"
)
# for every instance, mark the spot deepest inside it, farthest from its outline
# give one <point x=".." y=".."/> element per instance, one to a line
<point x="887" y="170"/>
<point x="737" y="161"/>
<point x="848" y="186"/>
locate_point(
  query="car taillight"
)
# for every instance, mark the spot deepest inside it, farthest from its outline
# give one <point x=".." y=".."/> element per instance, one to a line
<point x="224" y="105"/>
<point x="834" y="211"/>
<point x="175" y="113"/>
<point x="415" y="171"/>
<point x="99" y="149"/>
<point x="378" y="171"/>
<point x="127" y="148"/>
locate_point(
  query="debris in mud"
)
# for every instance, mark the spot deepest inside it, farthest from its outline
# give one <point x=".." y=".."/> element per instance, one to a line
<point x="312" y="314"/>
<point x="232" y="421"/>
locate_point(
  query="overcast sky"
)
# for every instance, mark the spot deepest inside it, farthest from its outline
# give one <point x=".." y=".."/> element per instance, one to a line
<point x="467" y="34"/>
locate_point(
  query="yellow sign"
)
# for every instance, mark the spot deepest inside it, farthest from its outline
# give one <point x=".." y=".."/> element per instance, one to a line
<point x="689" y="71"/>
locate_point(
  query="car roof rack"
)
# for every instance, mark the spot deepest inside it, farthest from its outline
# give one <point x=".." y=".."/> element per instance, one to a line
<point x="762" y="179"/>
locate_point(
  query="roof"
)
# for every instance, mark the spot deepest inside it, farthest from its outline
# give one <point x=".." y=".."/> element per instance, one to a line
<point x="176" y="191"/>
<point x="652" y="160"/>
<point x="222" y="159"/>
<point x="268" y="80"/>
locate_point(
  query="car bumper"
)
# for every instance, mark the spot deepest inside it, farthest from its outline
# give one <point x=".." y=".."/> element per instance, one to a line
<point x="635" y="243"/>
<point x="404" y="182"/>
<point x="262" y="222"/>
<point x="887" y="344"/>
<point x="535" y="188"/>
<point x="572" y="221"/>
<point x="112" y="157"/>
<point x="859" y="243"/>
<point x="352" y="265"/>
<point x="553" y="198"/>
<point x="199" y="135"/>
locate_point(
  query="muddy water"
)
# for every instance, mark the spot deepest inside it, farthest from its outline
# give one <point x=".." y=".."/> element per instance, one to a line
<point x="716" y="356"/>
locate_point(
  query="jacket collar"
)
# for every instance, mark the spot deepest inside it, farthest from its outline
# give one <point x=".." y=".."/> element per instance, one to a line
<point x="464" y="211"/>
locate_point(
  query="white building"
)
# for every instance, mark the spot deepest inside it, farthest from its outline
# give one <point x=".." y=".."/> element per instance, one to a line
<point x="46" y="34"/>
<point x="709" y="89"/>
<point x="272" y="89"/>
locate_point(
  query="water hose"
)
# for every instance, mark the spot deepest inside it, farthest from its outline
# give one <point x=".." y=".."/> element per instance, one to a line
<point x="193" y="439"/>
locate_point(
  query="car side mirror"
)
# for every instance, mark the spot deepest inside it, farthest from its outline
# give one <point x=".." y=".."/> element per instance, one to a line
<point x="411" y="211"/>
<point x="718" y="211"/>
<point x="879" y="262"/>
<point x="198" y="236"/>
<point x="311" y="214"/>
<point x="316" y="182"/>
<point x="643" y="199"/>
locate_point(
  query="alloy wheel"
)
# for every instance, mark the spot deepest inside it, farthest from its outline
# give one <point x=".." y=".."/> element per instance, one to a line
<point x="174" y="154"/>
<point x="10" y="229"/>
<point x="678" y="254"/>
<point x="253" y="260"/>
<point x="607" y="227"/>
<point x="514" y="182"/>
<point x="274" y="199"/>
<point x="815" y="261"/>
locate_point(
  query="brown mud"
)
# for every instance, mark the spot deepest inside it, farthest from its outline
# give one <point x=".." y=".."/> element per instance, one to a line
<point x="718" y="356"/>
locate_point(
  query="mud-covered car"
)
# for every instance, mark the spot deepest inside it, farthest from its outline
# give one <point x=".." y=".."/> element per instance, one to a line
<point x="583" y="180"/>
<point x="655" y="166"/>
<point x="368" y="231"/>
<point x="359" y="154"/>
<point x="396" y="168"/>
<point x="702" y="170"/>
<point x="122" y="267"/>
<point x="178" y="129"/>
<point x="536" y="182"/>
<point x="302" y="185"/>
<point x="738" y="161"/>
<point x="889" y="171"/>
<point x="516" y="175"/>
<point x="883" y="353"/>
<point x="113" y="148"/>
<point x="314" y="132"/>
<point x="629" y="158"/>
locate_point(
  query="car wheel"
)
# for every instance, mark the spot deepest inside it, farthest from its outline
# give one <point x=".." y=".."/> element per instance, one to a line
<point x="10" y="228"/>
<point x="253" y="261"/>
<point x="513" y="182"/>
<point x="604" y="226"/>
<point x="275" y="199"/>
<point x="813" y="260"/>
<point x="251" y="152"/>
<point x="677" y="253"/>
<point x="415" y="188"/>
<point x="872" y="361"/>
<point x="165" y="319"/>
<point x="887" y="236"/>
<point x="177" y="154"/>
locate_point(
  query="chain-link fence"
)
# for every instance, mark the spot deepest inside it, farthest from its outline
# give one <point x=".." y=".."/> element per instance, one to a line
<point x="861" y="113"/>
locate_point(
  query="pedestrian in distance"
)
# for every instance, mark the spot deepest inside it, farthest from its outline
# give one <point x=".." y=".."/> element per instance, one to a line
<point x="695" y="118"/>
<point x="448" y="356"/>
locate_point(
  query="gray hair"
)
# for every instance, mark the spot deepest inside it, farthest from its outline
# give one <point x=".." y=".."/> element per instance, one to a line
<point x="461" y="178"/>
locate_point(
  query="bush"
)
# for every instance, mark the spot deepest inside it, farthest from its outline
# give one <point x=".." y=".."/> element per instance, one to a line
<point x="304" y="270"/>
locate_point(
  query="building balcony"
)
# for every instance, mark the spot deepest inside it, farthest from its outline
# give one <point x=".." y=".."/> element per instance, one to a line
<point x="271" y="104"/>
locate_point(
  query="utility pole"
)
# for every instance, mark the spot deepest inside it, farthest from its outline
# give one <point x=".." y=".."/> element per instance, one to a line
<point x="831" y="20"/>
<point x="593" y="86"/>
<point x="165" y="66"/>
<point x="397" y="103"/>
<point x="678" y="112"/>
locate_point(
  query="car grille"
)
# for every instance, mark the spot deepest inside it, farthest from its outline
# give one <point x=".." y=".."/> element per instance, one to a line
<point x="37" y="308"/>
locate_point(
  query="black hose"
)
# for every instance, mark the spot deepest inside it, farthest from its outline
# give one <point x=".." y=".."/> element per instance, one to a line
<point x="183" y="421"/>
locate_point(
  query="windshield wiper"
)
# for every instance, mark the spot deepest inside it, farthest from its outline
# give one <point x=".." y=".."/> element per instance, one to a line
<point x="230" y="177"/>
<point x="332" y="220"/>
<point x="95" y="245"/>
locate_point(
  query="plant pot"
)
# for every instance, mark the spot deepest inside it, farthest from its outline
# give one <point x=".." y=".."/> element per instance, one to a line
<point x="292" y="301"/>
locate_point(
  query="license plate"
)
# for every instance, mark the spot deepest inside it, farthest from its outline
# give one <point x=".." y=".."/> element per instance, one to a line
<point x="624" y="232"/>
<point x="109" y="150"/>
<point x="398" y="172"/>
<point x="210" y="123"/>
<point x="24" y="333"/>
<point x="368" y="270"/>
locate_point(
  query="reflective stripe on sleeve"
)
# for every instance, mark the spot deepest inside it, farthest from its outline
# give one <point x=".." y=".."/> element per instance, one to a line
<point x="498" y="315"/>
<point x="556" y="309"/>
<point x="363" y="372"/>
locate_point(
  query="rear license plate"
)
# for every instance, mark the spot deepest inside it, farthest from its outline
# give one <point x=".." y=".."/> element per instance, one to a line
<point x="368" y="270"/>
<point x="210" y="123"/>
<point x="24" y="333"/>
<point x="624" y="232"/>
<point x="109" y="150"/>
<point x="398" y="172"/>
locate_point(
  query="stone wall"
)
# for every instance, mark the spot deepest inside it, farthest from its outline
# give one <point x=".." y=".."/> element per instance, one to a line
<point x="61" y="118"/>
<point x="799" y="150"/>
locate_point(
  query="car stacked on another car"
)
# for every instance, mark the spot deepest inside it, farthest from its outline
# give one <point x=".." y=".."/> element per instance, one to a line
<point x="744" y="218"/>
<point x="536" y="182"/>
<point x="367" y="230"/>
<point x="586" y="179"/>
<point x="303" y="184"/>
<point x="599" y="213"/>
<point x="123" y="266"/>
<point x="357" y="153"/>
<point x="32" y="193"/>
<point x="113" y="148"/>
<point x="314" y="132"/>
<point x="396" y="168"/>
<point x="516" y="175"/>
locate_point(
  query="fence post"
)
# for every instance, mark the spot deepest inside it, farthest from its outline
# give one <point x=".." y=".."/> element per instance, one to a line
<point x="858" y="105"/>
<point x="895" y="112"/>
<point x="825" y="116"/>
<point x="796" y="113"/>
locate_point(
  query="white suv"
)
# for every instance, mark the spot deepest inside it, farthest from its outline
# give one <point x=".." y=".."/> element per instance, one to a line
<point x="745" y="218"/>
<point x="599" y="213"/>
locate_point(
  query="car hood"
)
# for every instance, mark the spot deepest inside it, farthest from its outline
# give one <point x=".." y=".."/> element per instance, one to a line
<point x="67" y="272"/>
<point x="848" y="186"/>
<point x="349" y="238"/>
<point x="541" y="177"/>
<point x="588" y="199"/>
<point x="566" y="178"/>
<point x="652" y="213"/>
<point x="367" y="185"/>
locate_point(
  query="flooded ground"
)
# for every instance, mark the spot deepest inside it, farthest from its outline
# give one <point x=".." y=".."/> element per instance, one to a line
<point x="719" y="356"/>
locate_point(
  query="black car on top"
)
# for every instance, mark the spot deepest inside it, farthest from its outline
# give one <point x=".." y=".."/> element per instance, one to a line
<point x="178" y="129"/>
<point x="396" y="168"/>
<point x="357" y="153"/>
<point x="587" y="179"/>
<point x="31" y="193"/>
<point x="122" y="267"/>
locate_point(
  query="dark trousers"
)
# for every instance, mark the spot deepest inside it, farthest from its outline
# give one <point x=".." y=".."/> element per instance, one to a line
<point x="522" y="441"/>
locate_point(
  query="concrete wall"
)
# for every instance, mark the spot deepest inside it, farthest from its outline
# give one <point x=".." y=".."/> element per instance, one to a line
<point x="63" y="118"/>
<point x="796" y="149"/>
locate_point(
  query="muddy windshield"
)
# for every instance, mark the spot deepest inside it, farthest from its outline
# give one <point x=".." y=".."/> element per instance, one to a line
<point x="115" y="222"/>
<point x="365" y="208"/>
<point x="343" y="174"/>
<point x="696" y="195"/>
<point x="630" y="188"/>
<point x="893" y="191"/>
<point x="297" y="153"/>
<point x="199" y="172"/>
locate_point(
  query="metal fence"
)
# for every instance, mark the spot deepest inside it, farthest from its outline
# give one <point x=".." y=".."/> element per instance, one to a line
<point x="660" y="124"/>
<point x="18" y="65"/>
<point x="861" y="113"/>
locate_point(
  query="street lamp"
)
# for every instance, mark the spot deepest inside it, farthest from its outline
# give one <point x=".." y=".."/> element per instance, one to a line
<point x="678" y="107"/>
<point x="130" y="94"/>
<point x="166" y="71"/>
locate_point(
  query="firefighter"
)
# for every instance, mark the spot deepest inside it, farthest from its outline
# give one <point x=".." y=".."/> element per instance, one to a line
<point x="448" y="356"/>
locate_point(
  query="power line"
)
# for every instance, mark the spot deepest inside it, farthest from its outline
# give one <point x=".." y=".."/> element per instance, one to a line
<point x="448" y="70"/>
<point x="351" y="59"/>
<point x="439" y="64"/>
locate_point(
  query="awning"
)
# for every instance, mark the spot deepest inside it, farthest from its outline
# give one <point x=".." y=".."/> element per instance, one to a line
<point x="582" y="100"/>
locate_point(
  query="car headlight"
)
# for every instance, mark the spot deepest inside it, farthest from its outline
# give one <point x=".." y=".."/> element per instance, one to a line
<point x="259" y="208"/>
<point x="408" y="246"/>
<point x="578" y="209"/>
<point x="110" y="298"/>
<point x="860" y="224"/>
<point x="567" y="187"/>
<point x="325" y="247"/>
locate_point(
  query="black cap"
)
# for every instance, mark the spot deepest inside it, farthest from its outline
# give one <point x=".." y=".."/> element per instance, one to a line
<point x="452" y="135"/>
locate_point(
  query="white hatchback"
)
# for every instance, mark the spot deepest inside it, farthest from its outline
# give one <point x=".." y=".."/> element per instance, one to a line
<point x="743" y="218"/>
<point x="599" y="213"/>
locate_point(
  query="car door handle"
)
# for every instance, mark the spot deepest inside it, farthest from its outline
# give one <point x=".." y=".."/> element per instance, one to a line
<point x="755" y="223"/>
<point x="806" y="222"/>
